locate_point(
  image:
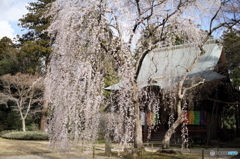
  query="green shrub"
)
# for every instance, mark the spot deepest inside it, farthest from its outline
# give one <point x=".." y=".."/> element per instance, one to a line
<point x="32" y="127"/>
<point x="28" y="135"/>
<point x="6" y="131"/>
<point x="12" y="121"/>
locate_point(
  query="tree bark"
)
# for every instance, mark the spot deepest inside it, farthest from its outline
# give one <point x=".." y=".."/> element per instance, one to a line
<point x="43" y="123"/>
<point x="108" y="146"/>
<point x="138" y="143"/>
<point x="171" y="130"/>
<point x="23" y="124"/>
<point x="44" y="117"/>
<point x="168" y="135"/>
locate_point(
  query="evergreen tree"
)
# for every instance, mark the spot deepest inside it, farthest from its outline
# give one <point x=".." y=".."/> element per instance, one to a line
<point x="231" y="43"/>
<point x="40" y="44"/>
<point x="7" y="55"/>
<point x="30" y="57"/>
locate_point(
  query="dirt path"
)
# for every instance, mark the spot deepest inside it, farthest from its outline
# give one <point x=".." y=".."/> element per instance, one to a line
<point x="207" y="155"/>
<point x="23" y="149"/>
<point x="54" y="156"/>
<point x="20" y="149"/>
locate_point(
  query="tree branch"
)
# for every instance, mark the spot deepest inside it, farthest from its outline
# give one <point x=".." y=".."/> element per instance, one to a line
<point x="220" y="101"/>
<point x="210" y="27"/>
<point x="140" y="61"/>
<point x="138" y="7"/>
<point x="192" y="86"/>
<point x="139" y="21"/>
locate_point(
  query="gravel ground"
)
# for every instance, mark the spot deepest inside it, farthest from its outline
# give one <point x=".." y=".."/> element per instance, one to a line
<point x="89" y="155"/>
<point x="54" y="156"/>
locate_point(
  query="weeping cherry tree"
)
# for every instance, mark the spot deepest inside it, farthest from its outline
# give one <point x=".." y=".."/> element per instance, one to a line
<point x="89" y="33"/>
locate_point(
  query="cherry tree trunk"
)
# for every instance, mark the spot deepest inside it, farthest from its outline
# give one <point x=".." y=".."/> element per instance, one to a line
<point x="168" y="135"/>
<point x="171" y="130"/>
<point x="138" y="143"/>
<point x="108" y="146"/>
<point x="43" y="123"/>
<point x="138" y="140"/>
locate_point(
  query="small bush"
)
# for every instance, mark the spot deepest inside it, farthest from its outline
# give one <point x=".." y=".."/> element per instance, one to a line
<point x="32" y="127"/>
<point x="6" y="131"/>
<point x="28" y="135"/>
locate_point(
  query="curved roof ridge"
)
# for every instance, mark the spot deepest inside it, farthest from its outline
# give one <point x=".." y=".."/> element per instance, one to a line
<point x="166" y="48"/>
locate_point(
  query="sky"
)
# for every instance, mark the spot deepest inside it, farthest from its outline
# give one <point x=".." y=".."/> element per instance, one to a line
<point x="10" y="12"/>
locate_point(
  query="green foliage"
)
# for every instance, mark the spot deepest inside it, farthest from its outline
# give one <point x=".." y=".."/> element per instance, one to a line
<point x="33" y="19"/>
<point x="153" y="155"/>
<point x="179" y="40"/>
<point x="26" y="91"/>
<point x="12" y="121"/>
<point x="229" y="118"/>
<point x="33" y="127"/>
<point x="231" y="43"/>
<point x="7" y="54"/>
<point x="30" y="56"/>
<point x="6" y="132"/>
<point x="36" y="43"/>
<point x="6" y="46"/>
<point x="7" y="66"/>
<point x="111" y="76"/>
<point x="28" y="135"/>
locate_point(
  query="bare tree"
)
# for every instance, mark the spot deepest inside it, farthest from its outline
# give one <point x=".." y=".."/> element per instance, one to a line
<point x="84" y="31"/>
<point x="25" y="90"/>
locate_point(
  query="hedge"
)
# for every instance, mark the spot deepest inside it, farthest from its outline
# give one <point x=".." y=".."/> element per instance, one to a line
<point x="6" y="131"/>
<point x="28" y="135"/>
